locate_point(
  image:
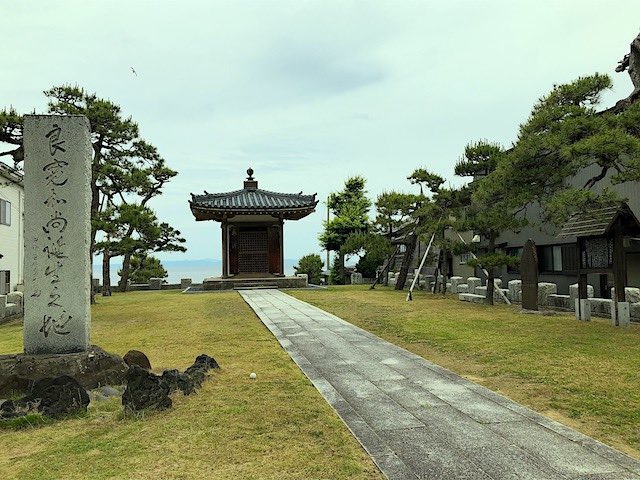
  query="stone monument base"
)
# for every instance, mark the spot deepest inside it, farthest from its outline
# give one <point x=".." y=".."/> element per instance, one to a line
<point x="91" y="369"/>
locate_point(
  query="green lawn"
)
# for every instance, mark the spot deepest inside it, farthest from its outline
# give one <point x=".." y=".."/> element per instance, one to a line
<point x="586" y="375"/>
<point x="276" y="427"/>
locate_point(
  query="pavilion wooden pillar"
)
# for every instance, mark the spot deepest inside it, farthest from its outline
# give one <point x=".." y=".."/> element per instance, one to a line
<point x="619" y="265"/>
<point x="276" y="254"/>
<point x="225" y="265"/>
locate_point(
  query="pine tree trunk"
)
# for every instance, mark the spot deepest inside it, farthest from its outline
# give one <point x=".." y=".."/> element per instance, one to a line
<point x="95" y="203"/>
<point x="445" y="272"/>
<point x="106" y="274"/>
<point x="490" y="286"/>
<point x="436" y="274"/>
<point x="406" y="262"/>
<point x="343" y="280"/>
<point x="124" y="276"/>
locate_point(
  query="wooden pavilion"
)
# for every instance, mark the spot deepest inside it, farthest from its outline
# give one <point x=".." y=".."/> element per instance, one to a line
<point x="252" y="223"/>
<point x="601" y="237"/>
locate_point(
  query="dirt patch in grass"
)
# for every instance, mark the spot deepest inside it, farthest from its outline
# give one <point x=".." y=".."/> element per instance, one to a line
<point x="585" y="375"/>
<point x="277" y="426"/>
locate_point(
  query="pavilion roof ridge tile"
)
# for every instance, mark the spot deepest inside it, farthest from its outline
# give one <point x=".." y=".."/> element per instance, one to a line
<point x="247" y="199"/>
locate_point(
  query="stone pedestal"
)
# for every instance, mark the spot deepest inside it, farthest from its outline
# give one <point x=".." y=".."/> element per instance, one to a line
<point x="184" y="283"/>
<point x="621" y="316"/>
<point x="631" y="294"/>
<point x="472" y="283"/>
<point x="92" y="369"/>
<point x="515" y="290"/>
<point x="544" y="290"/>
<point x="455" y="281"/>
<point x="57" y="227"/>
<point x="155" y="284"/>
<point x="583" y="309"/>
<point x="356" y="278"/>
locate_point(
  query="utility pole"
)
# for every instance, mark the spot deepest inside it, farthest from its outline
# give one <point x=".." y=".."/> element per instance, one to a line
<point x="328" y="268"/>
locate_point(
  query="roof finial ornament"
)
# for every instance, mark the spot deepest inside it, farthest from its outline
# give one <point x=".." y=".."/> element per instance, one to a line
<point x="250" y="173"/>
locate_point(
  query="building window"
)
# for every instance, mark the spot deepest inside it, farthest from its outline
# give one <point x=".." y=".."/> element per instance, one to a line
<point x="550" y="258"/>
<point x="465" y="257"/>
<point x="5" y="282"/>
<point x="514" y="252"/>
<point x="5" y="212"/>
<point x="558" y="258"/>
<point x="570" y="258"/>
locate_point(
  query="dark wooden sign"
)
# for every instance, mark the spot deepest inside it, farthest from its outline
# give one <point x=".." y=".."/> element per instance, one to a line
<point x="596" y="253"/>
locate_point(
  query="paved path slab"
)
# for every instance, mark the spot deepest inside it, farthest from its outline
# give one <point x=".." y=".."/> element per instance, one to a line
<point x="419" y="420"/>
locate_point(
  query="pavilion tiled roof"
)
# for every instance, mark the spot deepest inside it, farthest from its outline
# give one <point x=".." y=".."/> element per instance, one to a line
<point x="252" y="201"/>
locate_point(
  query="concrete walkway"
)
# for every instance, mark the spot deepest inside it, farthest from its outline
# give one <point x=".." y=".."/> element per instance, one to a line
<point x="419" y="420"/>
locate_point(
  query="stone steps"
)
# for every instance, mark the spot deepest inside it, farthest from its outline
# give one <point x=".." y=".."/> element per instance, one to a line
<point x="255" y="286"/>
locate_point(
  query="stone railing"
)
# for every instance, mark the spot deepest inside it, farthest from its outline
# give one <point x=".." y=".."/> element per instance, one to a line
<point x="474" y="291"/>
<point x="423" y="282"/>
<point x="11" y="306"/>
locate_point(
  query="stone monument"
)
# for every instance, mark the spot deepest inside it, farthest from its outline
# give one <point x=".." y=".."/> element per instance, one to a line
<point x="529" y="274"/>
<point x="57" y="267"/>
<point x="57" y="180"/>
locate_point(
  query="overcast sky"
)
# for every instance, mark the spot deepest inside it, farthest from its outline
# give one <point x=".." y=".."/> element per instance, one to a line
<point x="308" y="93"/>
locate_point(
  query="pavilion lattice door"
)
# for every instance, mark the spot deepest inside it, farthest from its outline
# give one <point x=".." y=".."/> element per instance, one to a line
<point x="253" y="251"/>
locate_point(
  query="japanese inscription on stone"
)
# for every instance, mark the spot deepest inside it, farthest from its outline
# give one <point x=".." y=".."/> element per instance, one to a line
<point x="57" y="233"/>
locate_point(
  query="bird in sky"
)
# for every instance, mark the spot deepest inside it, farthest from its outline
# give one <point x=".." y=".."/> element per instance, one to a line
<point x="134" y="71"/>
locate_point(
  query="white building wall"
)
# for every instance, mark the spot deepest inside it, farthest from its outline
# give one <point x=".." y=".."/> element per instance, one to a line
<point x="12" y="236"/>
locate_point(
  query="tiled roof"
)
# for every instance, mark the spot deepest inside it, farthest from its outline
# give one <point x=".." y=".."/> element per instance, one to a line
<point x="11" y="173"/>
<point x="252" y="201"/>
<point x="597" y="222"/>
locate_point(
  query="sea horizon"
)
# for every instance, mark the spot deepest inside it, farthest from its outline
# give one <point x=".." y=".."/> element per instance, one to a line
<point x="196" y="270"/>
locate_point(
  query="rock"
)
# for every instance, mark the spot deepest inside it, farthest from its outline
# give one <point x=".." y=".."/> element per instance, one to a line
<point x="206" y="361"/>
<point x="91" y="369"/>
<point x="196" y="374"/>
<point x="197" y="371"/>
<point x="192" y="377"/>
<point x="145" y="391"/>
<point x="136" y="357"/>
<point x="179" y="381"/>
<point x="108" y="391"/>
<point x="9" y="409"/>
<point x="57" y="397"/>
